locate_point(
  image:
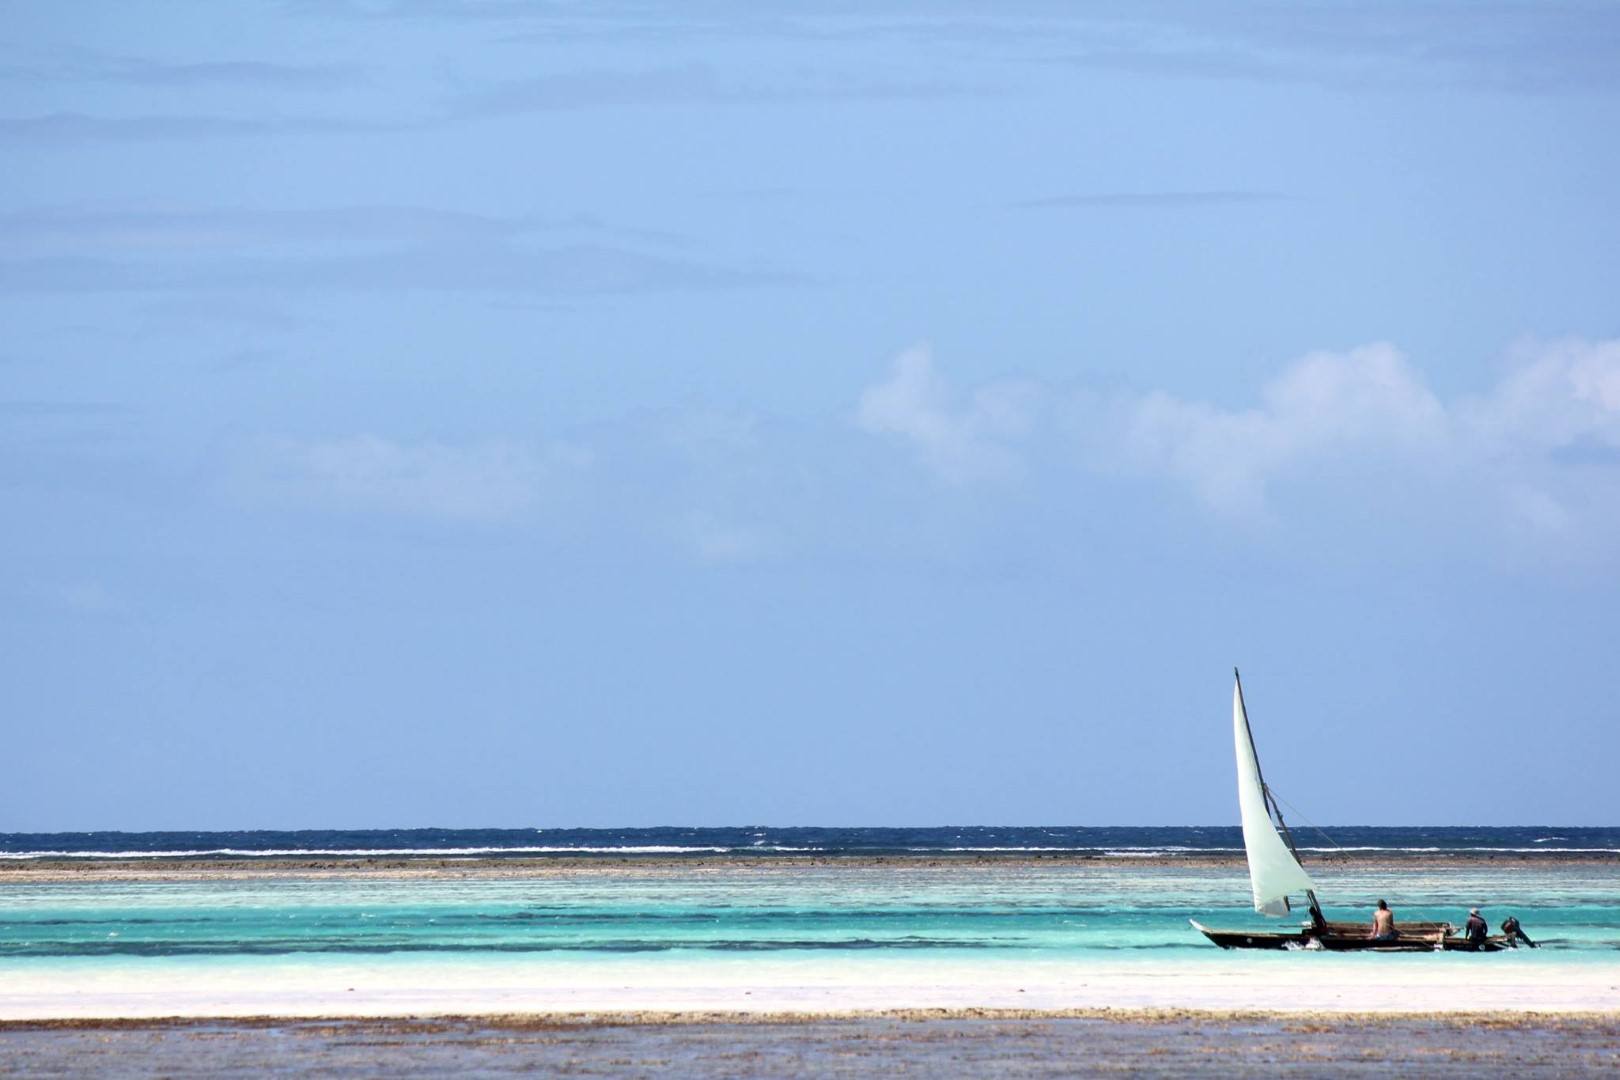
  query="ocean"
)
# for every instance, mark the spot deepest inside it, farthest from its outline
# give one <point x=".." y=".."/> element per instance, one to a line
<point x="1144" y="841"/>
<point x="754" y="904"/>
<point x="423" y="921"/>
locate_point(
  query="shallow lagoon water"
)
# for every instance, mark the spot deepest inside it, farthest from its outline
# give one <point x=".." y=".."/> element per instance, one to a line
<point x="725" y="918"/>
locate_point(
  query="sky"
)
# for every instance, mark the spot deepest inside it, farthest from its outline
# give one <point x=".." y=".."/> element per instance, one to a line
<point x="527" y="414"/>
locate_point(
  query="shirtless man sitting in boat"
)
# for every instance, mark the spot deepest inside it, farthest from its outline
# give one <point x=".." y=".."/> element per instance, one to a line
<point x="1383" y="927"/>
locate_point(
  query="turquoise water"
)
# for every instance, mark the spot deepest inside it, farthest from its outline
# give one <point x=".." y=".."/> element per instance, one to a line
<point x="701" y="915"/>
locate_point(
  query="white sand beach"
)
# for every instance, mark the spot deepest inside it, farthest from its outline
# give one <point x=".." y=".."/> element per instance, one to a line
<point x="1304" y="984"/>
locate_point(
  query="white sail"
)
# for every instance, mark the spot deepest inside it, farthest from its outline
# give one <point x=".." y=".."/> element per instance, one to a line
<point x="1273" y="871"/>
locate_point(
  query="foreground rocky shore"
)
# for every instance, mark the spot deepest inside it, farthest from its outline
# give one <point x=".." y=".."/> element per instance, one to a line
<point x="930" y="1043"/>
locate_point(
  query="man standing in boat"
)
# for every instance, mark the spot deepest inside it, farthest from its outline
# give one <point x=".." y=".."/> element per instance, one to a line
<point x="1383" y="927"/>
<point x="1475" y="929"/>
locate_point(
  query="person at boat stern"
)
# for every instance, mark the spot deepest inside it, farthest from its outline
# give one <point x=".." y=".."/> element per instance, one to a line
<point x="1475" y="929"/>
<point x="1383" y="927"/>
<point x="1515" y="933"/>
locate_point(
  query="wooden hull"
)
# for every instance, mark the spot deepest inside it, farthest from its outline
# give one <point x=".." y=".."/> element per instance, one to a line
<point x="1352" y="937"/>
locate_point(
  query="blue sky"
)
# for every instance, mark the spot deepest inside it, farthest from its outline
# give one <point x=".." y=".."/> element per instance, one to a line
<point x="523" y="414"/>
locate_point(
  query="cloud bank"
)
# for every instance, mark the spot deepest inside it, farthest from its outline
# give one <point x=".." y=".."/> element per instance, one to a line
<point x="1351" y="445"/>
<point x="960" y="440"/>
<point x="1542" y="443"/>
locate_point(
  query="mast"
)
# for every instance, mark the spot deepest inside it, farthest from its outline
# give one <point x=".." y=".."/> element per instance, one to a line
<point x="1288" y="837"/>
<point x="1271" y="803"/>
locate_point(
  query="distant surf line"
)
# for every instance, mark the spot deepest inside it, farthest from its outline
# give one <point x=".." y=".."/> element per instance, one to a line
<point x="706" y="849"/>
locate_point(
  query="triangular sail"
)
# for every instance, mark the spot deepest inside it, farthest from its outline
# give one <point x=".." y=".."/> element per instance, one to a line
<point x="1273" y="871"/>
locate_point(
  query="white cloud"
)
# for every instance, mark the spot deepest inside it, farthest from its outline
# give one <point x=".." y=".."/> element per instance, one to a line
<point x="1541" y="445"/>
<point x="1333" y="437"/>
<point x="1559" y="394"/>
<point x="477" y="481"/>
<point x="960" y="442"/>
<point x="1362" y="403"/>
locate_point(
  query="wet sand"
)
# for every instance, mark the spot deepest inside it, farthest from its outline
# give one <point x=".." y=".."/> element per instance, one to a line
<point x="902" y="1044"/>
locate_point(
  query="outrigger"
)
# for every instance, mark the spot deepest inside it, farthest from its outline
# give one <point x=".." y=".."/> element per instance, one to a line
<point x="1275" y="873"/>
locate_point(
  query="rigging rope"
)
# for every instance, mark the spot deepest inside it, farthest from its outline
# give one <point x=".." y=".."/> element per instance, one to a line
<point x="1298" y="816"/>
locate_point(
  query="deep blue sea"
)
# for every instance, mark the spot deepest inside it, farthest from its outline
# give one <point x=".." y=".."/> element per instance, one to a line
<point x="764" y="841"/>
